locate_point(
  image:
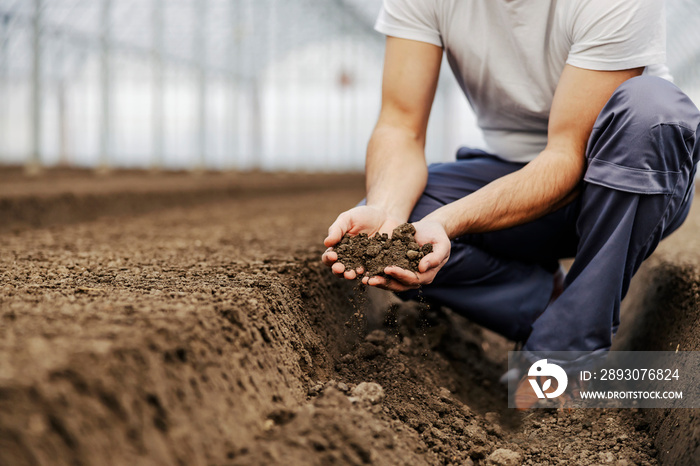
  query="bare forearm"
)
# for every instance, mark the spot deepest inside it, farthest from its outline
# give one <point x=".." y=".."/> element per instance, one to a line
<point x="549" y="181"/>
<point x="540" y="187"/>
<point x="396" y="173"/>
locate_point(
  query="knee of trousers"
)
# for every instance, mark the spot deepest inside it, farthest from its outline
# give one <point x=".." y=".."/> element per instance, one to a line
<point x="645" y="139"/>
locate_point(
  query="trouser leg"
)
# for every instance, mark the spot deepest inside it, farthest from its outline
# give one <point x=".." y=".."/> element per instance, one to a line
<point x="638" y="187"/>
<point x="503" y="294"/>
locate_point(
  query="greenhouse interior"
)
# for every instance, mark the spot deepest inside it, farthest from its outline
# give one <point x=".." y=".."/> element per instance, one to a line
<point x="189" y="274"/>
<point x="221" y="84"/>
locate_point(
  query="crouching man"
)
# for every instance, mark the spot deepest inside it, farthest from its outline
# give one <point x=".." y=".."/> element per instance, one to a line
<point x="592" y="154"/>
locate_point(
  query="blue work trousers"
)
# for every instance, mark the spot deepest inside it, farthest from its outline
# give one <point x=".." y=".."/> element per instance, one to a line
<point x="637" y="189"/>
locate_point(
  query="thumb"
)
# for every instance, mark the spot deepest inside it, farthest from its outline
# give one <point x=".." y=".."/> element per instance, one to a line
<point x="426" y="264"/>
<point x="434" y="259"/>
<point x="337" y="230"/>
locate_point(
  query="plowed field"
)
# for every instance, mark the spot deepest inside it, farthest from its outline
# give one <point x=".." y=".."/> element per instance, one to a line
<point x="207" y="331"/>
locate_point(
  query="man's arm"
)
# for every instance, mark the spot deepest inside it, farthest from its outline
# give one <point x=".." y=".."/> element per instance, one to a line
<point x="396" y="171"/>
<point x="542" y="186"/>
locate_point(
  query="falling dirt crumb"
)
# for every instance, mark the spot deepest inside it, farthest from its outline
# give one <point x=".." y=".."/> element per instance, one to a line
<point x="376" y="253"/>
<point x="376" y="337"/>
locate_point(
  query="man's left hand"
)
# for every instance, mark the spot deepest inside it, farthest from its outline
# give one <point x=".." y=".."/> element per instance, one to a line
<point x="399" y="279"/>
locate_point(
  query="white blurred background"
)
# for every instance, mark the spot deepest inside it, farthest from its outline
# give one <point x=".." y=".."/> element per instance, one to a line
<point x="291" y="85"/>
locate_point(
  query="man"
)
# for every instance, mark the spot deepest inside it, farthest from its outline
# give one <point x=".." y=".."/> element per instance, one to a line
<point x="592" y="154"/>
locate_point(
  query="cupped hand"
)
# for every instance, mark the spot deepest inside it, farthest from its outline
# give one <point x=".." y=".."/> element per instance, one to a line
<point x="361" y="219"/>
<point x="398" y="279"/>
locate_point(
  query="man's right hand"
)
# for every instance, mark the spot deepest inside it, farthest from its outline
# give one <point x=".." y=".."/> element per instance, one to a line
<point x="361" y="219"/>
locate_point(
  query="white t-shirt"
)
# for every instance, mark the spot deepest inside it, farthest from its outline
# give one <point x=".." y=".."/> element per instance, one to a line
<point x="507" y="55"/>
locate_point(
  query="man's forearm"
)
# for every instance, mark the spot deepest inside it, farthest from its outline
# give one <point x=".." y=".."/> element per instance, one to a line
<point x="396" y="173"/>
<point x="542" y="186"/>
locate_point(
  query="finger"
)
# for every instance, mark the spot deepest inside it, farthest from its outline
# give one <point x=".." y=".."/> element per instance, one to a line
<point x="439" y="255"/>
<point x="389" y="284"/>
<point x="329" y="257"/>
<point x="337" y="230"/>
<point x="360" y="270"/>
<point x="374" y="280"/>
<point x="338" y="268"/>
<point x="404" y="276"/>
<point x="350" y="275"/>
<point x="427" y="263"/>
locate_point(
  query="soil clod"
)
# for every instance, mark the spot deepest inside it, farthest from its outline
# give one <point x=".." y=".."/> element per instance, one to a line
<point x="375" y="253"/>
<point x="504" y="457"/>
<point x="368" y="391"/>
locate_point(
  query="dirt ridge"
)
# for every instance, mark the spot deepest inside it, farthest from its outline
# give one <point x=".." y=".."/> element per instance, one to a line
<point x="664" y="315"/>
<point x="71" y="196"/>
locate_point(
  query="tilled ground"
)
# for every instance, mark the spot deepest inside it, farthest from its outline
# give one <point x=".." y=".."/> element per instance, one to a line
<point x="212" y="334"/>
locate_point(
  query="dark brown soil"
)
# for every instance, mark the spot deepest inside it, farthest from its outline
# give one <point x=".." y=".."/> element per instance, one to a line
<point x="64" y="196"/>
<point x="211" y="334"/>
<point x="375" y="253"/>
<point x="663" y="314"/>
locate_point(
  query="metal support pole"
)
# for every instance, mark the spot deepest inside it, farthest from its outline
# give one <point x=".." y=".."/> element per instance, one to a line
<point x="63" y="158"/>
<point x="294" y="89"/>
<point x="328" y="117"/>
<point x="273" y="133"/>
<point x="256" y="114"/>
<point x="256" y="122"/>
<point x="61" y="91"/>
<point x="253" y="77"/>
<point x="201" y="52"/>
<point x="34" y="161"/>
<point x="234" y="53"/>
<point x="234" y="61"/>
<point x="105" y="86"/>
<point x="158" y="103"/>
<point x="5" y="79"/>
<point x="356" y="145"/>
<point x="344" y="82"/>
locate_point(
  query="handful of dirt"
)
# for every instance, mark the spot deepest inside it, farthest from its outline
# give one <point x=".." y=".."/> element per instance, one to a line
<point x="376" y="253"/>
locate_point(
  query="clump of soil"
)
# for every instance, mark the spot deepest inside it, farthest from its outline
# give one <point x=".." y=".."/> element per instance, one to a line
<point x="377" y="252"/>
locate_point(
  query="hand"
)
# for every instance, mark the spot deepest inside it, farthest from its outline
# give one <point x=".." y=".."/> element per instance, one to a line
<point x="398" y="279"/>
<point x="361" y="219"/>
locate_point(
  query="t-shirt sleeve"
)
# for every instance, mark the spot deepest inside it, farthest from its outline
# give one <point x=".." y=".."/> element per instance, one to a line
<point x="610" y="35"/>
<point x="410" y="19"/>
